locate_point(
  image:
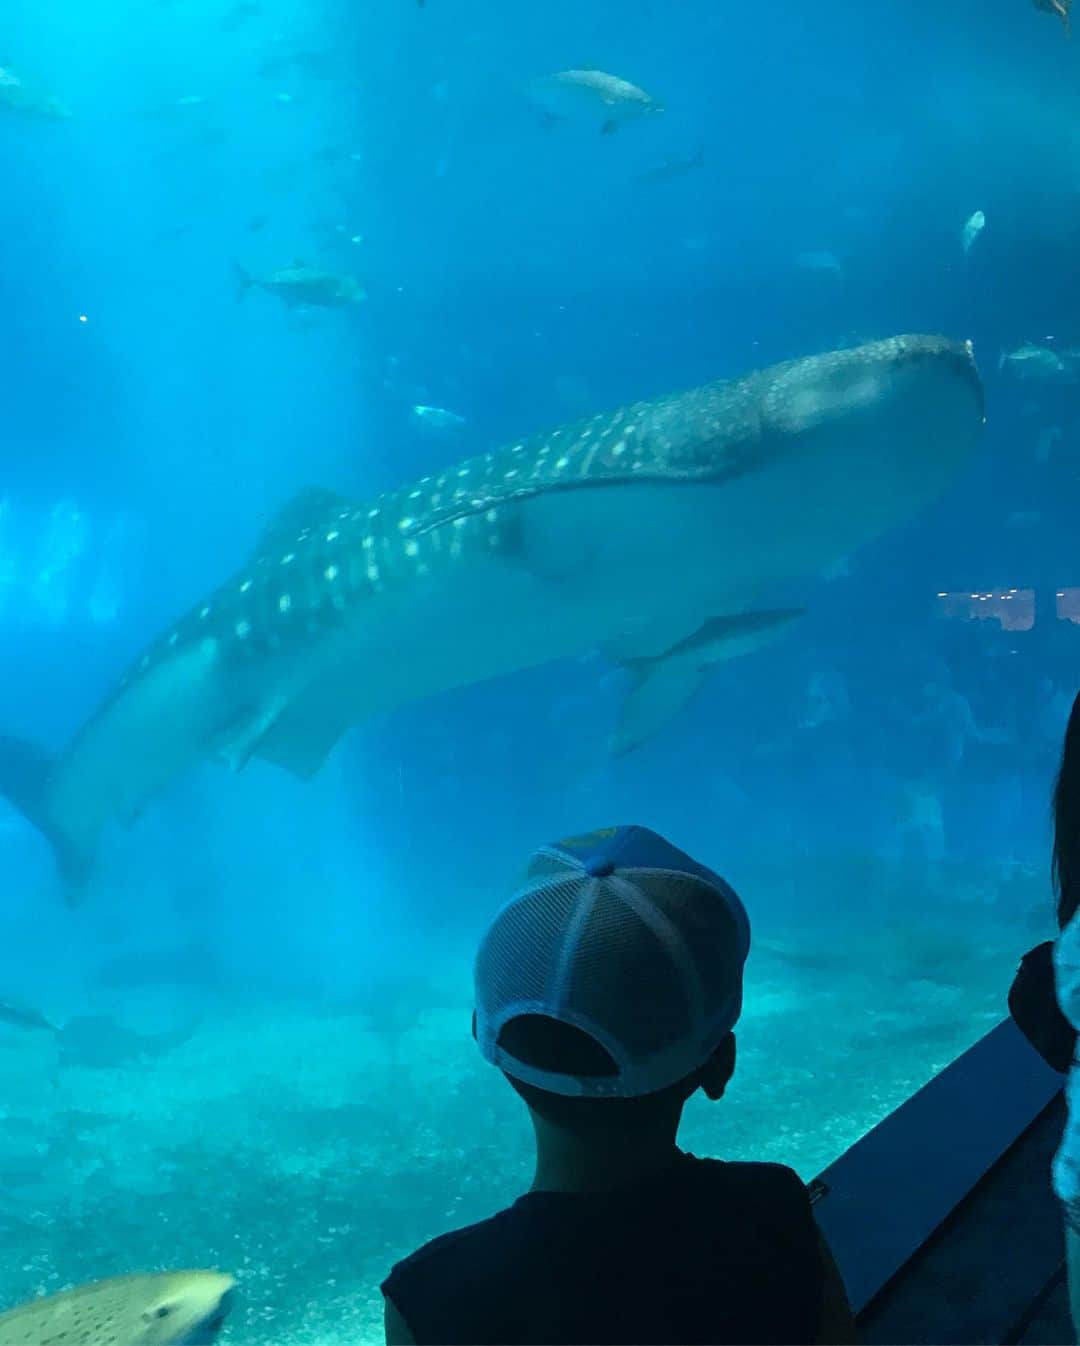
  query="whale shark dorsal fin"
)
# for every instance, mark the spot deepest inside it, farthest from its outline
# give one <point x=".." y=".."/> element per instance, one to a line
<point x="662" y="686"/>
<point x="308" y="507"/>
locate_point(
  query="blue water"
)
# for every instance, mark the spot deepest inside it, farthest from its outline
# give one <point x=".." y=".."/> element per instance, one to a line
<point x="875" y="783"/>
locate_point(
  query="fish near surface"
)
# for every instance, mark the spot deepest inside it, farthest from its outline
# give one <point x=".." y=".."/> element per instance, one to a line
<point x="156" y="1309"/>
<point x="300" y="286"/>
<point x="1038" y="363"/>
<point x="973" y="227"/>
<point x="573" y="94"/>
<point x="437" y="418"/>
<point x="672" y="169"/>
<point x="1059" y="7"/>
<point x="16" y="96"/>
<point x="22" y="1016"/>
<point x="659" y="529"/>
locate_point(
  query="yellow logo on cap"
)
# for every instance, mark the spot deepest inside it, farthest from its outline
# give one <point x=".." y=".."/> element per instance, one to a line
<point x="587" y="839"/>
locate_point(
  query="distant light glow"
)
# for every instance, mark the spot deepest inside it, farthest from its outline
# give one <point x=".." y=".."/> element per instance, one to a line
<point x="82" y="317"/>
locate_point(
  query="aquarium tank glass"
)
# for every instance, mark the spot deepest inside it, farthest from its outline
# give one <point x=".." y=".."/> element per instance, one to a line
<point x="431" y="429"/>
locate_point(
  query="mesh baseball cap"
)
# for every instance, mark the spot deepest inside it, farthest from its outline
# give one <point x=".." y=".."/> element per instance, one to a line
<point x="621" y="935"/>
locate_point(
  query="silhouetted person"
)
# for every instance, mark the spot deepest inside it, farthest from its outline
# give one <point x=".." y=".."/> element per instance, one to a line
<point x="607" y="989"/>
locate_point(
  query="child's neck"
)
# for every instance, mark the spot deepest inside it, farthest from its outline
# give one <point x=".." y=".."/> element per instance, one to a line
<point x="566" y="1162"/>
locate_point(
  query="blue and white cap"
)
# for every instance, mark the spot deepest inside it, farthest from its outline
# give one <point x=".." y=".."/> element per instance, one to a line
<point x="624" y="937"/>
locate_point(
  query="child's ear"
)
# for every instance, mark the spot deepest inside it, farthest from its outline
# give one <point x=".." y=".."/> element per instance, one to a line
<point x="718" y="1070"/>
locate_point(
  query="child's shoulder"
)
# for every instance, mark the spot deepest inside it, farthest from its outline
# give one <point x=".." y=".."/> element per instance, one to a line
<point x="756" y="1180"/>
<point x="455" y="1243"/>
<point x="744" y="1171"/>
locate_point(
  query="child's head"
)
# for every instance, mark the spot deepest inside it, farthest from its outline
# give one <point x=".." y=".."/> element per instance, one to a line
<point x="608" y="986"/>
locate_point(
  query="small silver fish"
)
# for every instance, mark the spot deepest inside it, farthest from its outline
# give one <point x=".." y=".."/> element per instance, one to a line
<point x="1038" y="363"/>
<point x="1058" y="7"/>
<point x="301" y="286"/>
<point x="671" y="169"/>
<point x="591" y="93"/>
<point x="973" y="227"/>
<point x="16" y="96"/>
<point x="820" y="261"/>
<point x="437" y="418"/>
<point x="19" y="1016"/>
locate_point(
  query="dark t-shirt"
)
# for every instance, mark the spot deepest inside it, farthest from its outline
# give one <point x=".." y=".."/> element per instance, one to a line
<point x="705" y="1252"/>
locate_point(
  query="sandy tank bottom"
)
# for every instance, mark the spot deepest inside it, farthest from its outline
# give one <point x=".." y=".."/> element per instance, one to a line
<point x="306" y="1147"/>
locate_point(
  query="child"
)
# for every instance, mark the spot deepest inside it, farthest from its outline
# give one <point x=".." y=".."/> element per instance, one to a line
<point x="606" y="992"/>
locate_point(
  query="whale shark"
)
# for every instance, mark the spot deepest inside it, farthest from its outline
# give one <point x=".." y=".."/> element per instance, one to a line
<point x="658" y="533"/>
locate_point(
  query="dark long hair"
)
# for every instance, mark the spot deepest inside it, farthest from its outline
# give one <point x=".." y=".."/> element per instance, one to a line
<point x="1065" y="865"/>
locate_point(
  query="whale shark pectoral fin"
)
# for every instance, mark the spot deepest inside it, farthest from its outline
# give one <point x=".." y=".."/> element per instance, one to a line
<point x="304" y="735"/>
<point x="662" y="686"/>
<point x="657" y="696"/>
<point x="297" y="735"/>
<point x="235" y="742"/>
<point x="643" y="642"/>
